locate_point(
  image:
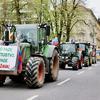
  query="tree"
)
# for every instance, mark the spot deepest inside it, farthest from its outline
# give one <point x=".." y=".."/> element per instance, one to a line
<point x="70" y="15"/>
<point x="17" y="8"/>
<point x="21" y="8"/>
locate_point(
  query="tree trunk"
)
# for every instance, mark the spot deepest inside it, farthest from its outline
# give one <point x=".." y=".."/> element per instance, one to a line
<point x="18" y="14"/>
<point x="68" y="35"/>
<point x="56" y="21"/>
<point x="68" y="29"/>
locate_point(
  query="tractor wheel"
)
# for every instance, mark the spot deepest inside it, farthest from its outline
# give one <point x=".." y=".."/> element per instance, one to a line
<point x="87" y="64"/>
<point x="94" y="60"/>
<point x="2" y="80"/>
<point x="62" y="65"/>
<point x="80" y="64"/>
<point x="35" y="72"/>
<point x="90" y="62"/>
<point x="75" y="63"/>
<point x="86" y="60"/>
<point x="54" y="67"/>
<point x="75" y="66"/>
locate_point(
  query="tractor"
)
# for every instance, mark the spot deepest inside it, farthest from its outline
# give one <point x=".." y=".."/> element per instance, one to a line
<point x="70" y="54"/>
<point x="87" y="53"/>
<point x="94" y="60"/>
<point x="25" y="55"/>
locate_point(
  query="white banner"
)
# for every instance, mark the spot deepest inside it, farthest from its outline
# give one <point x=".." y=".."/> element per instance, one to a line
<point x="8" y="56"/>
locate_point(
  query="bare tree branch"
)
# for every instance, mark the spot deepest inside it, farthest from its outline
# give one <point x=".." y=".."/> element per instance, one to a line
<point x="77" y="21"/>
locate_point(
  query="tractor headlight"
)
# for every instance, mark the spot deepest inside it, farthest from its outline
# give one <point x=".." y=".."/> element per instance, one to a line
<point x="62" y="57"/>
<point x="66" y="57"/>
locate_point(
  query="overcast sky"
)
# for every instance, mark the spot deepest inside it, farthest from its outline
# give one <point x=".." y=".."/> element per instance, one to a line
<point x="95" y="6"/>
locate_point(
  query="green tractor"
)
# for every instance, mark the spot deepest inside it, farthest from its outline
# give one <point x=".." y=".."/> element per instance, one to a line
<point x="94" y="60"/>
<point x="70" y="55"/>
<point x="25" y="55"/>
<point x="87" y="53"/>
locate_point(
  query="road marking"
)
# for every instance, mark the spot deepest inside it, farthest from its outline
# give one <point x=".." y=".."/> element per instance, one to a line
<point x="33" y="97"/>
<point x="80" y="73"/>
<point x="68" y="79"/>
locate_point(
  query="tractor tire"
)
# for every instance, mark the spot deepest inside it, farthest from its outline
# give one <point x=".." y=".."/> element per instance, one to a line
<point x="75" y="66"/>
<point x="35" y="72"/>
<point x="94" y="60"/>
<point x="62" y="65"/>
<point x="54" y="67"/>
<point x="90" y="61"/>
<point x="80" y="64"/>
<point x="75" y="63"/>
<point x="2" y="80"/>
<point x="86" y="60"/>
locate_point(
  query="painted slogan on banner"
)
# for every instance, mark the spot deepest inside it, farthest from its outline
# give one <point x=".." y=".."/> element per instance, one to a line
<point x="8" y="55"/>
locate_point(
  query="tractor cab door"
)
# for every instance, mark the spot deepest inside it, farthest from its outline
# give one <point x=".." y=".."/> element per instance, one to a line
<point x="43" y="32"/>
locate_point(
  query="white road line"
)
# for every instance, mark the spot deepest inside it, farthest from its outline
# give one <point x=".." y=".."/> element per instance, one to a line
<point x="80" y="73"/>
<point x="68" y="79"/>
<point x="33" y="97"/>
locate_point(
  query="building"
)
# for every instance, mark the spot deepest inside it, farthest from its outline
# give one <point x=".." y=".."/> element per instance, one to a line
<point x="88" y="32"/>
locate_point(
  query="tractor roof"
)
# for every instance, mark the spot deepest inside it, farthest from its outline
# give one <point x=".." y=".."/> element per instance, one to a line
<point x="26" y="25"/>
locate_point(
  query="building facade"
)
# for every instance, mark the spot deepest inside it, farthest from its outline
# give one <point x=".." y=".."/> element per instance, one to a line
<point x="88" y="32"/>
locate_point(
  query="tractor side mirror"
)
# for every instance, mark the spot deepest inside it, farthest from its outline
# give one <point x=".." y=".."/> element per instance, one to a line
<point x="6" y="36"/>
<point x="47" y="30"/>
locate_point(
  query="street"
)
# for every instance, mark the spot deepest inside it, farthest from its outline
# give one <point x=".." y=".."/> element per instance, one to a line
<point x="83" y="84"/>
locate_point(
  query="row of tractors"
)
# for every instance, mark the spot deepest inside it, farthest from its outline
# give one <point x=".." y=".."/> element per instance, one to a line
<point x="26" y="56"/>
<point x="77" y="55"/>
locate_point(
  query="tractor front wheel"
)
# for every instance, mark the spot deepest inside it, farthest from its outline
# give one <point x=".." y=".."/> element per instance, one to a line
<point x="35" y="72"/>
<point x="54" y="67"/>
<point x="62" y="65"/>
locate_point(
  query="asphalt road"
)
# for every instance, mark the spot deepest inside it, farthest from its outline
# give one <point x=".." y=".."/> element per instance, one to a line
<point x="83" y="84"/>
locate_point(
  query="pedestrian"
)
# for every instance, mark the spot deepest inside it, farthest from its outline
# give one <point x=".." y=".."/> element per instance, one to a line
<point x="55" y="40"/>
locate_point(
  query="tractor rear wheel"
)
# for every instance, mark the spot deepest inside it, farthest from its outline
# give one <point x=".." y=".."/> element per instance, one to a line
<point x="2" y="80"/>
<point x="75" y="63"/>
<point x="35" y="72"/>
<point x="75" y="66"/>
<point x="62" y="65"/>
<point x="54" y="67"/>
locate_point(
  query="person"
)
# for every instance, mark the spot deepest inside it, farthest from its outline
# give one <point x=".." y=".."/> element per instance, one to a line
<point x="55" y="41"/>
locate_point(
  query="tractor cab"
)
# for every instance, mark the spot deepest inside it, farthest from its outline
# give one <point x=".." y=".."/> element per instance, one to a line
<point x="86" y="53"/>
<point x="67" y="49"/>
<point x="69" y="54"/>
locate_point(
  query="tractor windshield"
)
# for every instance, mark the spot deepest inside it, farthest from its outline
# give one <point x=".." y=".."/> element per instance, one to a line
<point x="67" y="48"/>
<point x="82" y="46"/>
<point x="27" y="33"/>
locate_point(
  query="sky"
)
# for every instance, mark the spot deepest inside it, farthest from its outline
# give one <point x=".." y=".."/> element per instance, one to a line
<point x="95" y="6"/>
